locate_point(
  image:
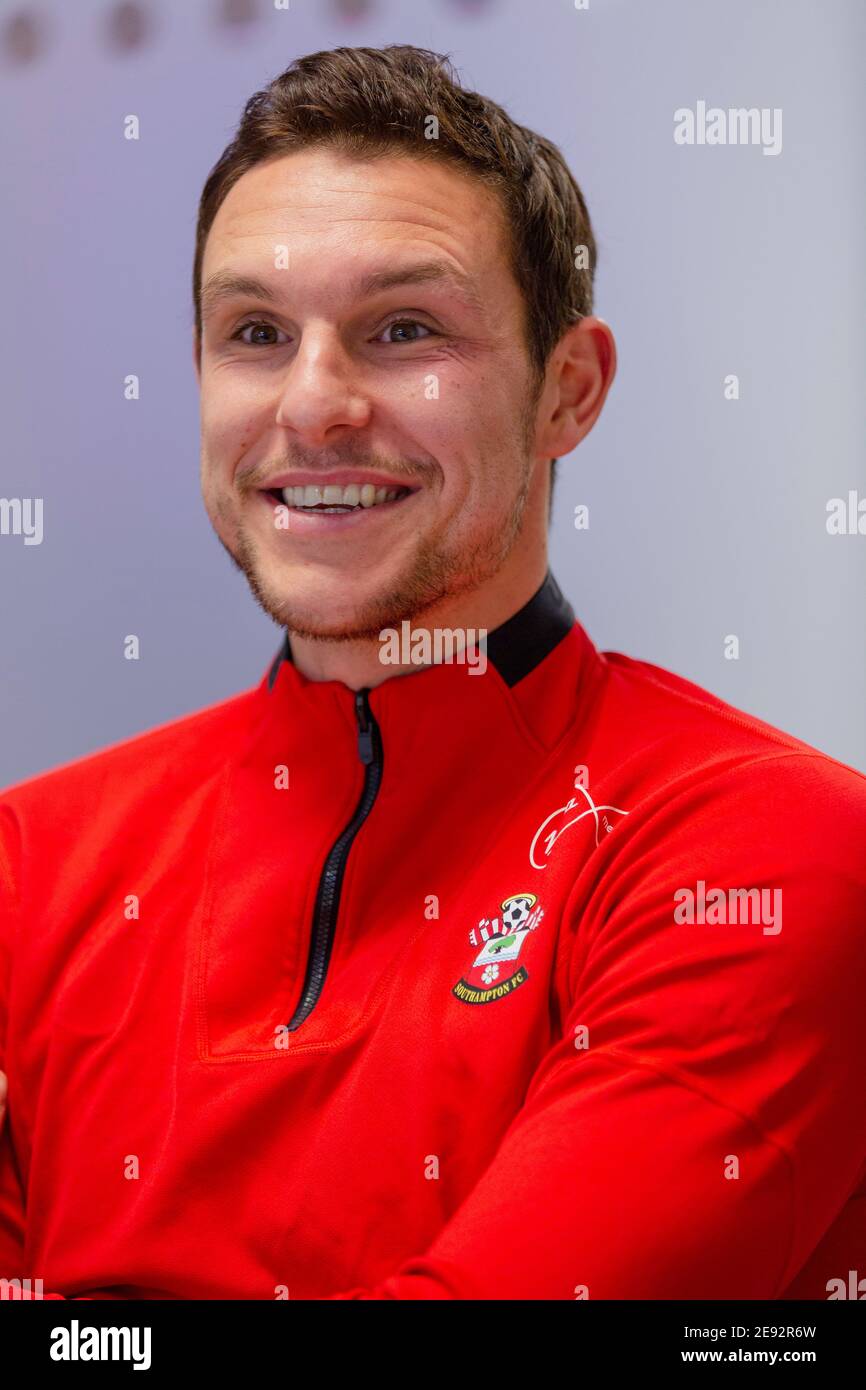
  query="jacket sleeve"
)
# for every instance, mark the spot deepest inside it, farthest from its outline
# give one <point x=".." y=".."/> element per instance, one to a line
<point x="12" y="1214"/>
<point x="702" y="1119"/>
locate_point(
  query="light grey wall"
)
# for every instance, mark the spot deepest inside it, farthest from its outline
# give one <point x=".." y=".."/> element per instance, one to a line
<point x="707" y="517"/>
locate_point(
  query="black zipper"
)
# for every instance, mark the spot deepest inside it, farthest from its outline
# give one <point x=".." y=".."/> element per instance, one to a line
<point x="331" y="881"/>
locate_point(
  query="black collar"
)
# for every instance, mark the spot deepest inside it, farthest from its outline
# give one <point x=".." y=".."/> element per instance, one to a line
<point x="515" y="647"/>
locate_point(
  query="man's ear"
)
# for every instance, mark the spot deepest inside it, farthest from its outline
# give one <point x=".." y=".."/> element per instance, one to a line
<point x="581" y="370"/>
<point x="196" y="356"/>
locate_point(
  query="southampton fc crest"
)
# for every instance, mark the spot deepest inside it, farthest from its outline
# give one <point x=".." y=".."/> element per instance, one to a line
<point x="497" y="969"/>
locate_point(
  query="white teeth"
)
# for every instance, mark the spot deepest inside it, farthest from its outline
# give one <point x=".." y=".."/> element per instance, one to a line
<point x="333" y="495"/>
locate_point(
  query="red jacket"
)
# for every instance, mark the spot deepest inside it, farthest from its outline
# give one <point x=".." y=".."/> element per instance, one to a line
<point x="440" y="991"/>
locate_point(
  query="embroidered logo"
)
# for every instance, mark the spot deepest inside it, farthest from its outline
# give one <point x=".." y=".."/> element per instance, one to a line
<point x="561" y="820"/>
<point x="496" y="970"/>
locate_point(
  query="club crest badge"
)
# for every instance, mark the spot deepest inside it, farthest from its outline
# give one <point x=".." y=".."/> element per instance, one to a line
<point x="497" y="970"/>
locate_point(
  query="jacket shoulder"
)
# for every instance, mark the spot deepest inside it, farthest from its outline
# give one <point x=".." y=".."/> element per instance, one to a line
<point x="709" y="733"/>
<point x="193" y="740"/>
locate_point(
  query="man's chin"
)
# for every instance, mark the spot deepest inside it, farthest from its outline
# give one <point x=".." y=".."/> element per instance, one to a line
<point x="320" y="605"/>
<point x="322" y="611"/>
<point x="315" y="619"/>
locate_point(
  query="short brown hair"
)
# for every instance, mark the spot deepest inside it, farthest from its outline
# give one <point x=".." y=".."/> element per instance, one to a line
<point x="371" y="102"/>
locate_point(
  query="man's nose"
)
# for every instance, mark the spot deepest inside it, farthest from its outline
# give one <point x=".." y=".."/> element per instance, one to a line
<point x="321" y="390"/>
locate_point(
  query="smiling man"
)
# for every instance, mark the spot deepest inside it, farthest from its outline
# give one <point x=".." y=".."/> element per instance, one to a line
<point x="368" y="400"/>
<point x="375" y="980"/>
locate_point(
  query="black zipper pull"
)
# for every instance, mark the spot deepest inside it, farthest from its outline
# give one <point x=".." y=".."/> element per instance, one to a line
<point x="365" y="732"/>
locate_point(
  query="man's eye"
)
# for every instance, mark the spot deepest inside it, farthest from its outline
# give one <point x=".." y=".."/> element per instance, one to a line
<point x="402" y="325"/>
<point x="258" y="325"/>
<point x="407" y="331"/>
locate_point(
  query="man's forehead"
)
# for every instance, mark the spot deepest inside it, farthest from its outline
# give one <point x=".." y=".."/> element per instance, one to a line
<point x="313" y="182"/>
<point x="353" y="204"/>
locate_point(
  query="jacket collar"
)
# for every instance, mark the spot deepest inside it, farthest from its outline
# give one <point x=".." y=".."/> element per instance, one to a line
<point x="515" y="647"/>
<point x="541" y="667"/>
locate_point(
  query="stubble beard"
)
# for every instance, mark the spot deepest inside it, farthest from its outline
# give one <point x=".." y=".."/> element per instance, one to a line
<point x="432" y="576"/>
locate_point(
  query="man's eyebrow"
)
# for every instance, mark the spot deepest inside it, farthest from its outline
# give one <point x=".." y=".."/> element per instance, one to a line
<point x="225" y="284"/>
<point x="424" y="273"/>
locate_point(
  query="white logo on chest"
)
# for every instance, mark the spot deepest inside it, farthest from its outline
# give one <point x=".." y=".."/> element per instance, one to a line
<point x="561" y="820"/>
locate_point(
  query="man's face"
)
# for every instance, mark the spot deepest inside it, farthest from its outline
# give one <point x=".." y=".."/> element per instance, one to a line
<point x="422" y="385"/>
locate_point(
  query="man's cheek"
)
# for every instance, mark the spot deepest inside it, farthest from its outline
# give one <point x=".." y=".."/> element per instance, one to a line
<point x="224" y="441"/>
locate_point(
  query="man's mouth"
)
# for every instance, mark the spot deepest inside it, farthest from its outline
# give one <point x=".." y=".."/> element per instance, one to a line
<point x="336" y="500"/>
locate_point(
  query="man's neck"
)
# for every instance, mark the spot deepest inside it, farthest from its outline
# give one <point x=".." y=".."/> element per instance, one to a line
<point x="471" y="615"/>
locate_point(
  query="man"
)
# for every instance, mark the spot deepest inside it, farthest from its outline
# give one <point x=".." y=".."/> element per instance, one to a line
<point x="502" y="968"/>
